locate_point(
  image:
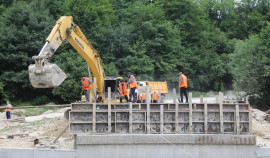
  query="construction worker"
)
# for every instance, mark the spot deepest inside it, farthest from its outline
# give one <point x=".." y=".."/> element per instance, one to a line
<point x="155" y="97"/>
<point x="133" y="86"/>
<point x="86" y="87"/>
<point x="139" y="98"/>
<point x="8" y="111"/>
<point x="123" y="90"/>
<point x="183" y="86"/>
<point x="143" y="97"/>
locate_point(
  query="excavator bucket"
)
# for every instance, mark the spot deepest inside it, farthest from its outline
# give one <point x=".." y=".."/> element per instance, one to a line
<point x="46" y="75"/>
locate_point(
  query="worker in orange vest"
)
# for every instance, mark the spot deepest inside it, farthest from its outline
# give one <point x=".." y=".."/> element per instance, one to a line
<point x="133" y="86"/>
<point x="123" y="90"/>
<point x="86" y="87"/>
<point x="155" y="97"/>
<point x="143" y="97"/>
<point x="139" y="98"/>
<point x="8" y="111"/>
<point x="183" y="86"/>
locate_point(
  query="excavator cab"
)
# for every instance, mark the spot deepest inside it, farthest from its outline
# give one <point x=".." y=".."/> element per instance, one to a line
<point x="113" y="83"/>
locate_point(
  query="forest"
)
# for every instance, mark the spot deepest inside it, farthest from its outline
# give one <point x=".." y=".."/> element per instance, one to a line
<point x="218" y="44"/>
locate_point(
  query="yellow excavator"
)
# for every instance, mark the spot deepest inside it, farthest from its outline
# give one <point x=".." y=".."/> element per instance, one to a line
<point x="43" y="74"/>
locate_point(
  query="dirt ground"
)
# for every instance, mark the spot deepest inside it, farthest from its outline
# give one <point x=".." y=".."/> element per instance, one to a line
<point x="260" y="128"/>
<point x="44" y="127"/>
<point x="48" y="125"/>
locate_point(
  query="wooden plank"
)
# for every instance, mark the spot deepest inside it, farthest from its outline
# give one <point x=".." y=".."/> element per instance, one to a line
<point x="216" y="99"/>
<point x="174" y="95"/>
<point x="109" y="110"/>
<point x="115" y="121"/>
<point x="247" y="100"/>
<point x="176" y="118"/>
<point x="201" y="99"/>
<point x="249" y="119"/>
<point x="95" y="89"/>
<point x="19" y="119"/>
<point x="161" y="119"/>
<point x="205" y="117"/>
<point x="237" y="119"/>
<point x="130" y="117"/>
<point x="230" y="98"/>
<point x="60" y="134"/>
<point x="94" y="118"/>
<point x="190" y="112"/>
<point x="221" y="111"/>
<point x="38" y="106"/>
<point x="148" y="110"/>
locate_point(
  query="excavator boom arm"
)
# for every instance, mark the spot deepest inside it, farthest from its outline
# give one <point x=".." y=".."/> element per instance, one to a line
<point x="43" y="74"/>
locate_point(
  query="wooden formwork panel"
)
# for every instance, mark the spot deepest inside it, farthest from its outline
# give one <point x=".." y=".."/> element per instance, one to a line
<point x="164" y="118"/>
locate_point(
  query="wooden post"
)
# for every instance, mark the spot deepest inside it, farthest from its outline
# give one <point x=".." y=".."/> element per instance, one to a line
<point x="109" y="111"/>
<point x="161" y="119"/>
<point x="95" y="90"/>
<point x="190" y="112"/>
<point x="148" y="110"/>
<point x="130" y="117"/>
<point x="205" y="117"/>
<point x="201" y="99"/>
<point x="230" y="98"/>
<point x="247" y="100"/>
<point x="237" y="119"/>
<point x="94" y="118"/>
<point x="60" y="134"/>
<point x="174" y="95"/>
<point x="159" y="96"/>
<point x="221" y="111"/>
<point x="176" y="118"/>
<point x="249" y="118"/>
<point x="216" y="99"/>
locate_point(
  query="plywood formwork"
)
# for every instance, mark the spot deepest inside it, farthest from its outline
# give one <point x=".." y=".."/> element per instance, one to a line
<point x="159" y="118"/>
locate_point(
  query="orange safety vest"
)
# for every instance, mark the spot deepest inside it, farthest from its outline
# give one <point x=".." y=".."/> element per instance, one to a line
<point x="143" y="96"/>
<point x="139" y="97"/>
<point x="86" y="84"/>
<point x="7" y="110"/>
<point x="184" y="79"/>
<point x="155" y="96"/>
<point x="123" y="88"/>
<point x="134" y="83"/>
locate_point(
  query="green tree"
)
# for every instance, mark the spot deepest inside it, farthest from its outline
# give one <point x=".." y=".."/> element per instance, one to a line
<point x="250" y="68"/>
<point x="75" y="66"/>
<point x="23" y="29"/>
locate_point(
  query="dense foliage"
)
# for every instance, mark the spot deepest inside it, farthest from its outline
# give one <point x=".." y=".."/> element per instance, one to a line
<point x="218" y="44"/>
